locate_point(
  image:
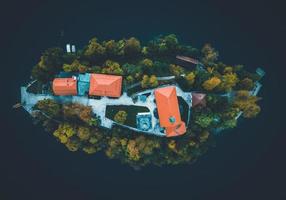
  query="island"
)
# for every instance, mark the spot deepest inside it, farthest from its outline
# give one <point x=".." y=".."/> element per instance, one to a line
<point x="159" y="102"/>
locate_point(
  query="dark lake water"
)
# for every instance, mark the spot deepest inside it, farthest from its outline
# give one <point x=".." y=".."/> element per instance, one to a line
<point x="247" y="163"/>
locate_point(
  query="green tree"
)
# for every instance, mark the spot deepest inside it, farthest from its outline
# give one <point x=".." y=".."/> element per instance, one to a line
<point x="50" y="64"/>
<point x="132" y="70"/>
<point x="231" y="123"/>
<point x="120" y="117"/>
<point x="171" y="42"/>
<point x="203" y="136"/>
<point x="204" y="120"/>
<point x="130" y="79"/>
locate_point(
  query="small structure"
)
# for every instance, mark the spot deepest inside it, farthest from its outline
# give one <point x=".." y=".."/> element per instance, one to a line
<point x="83" y="84"/>
<point x="65" y="86"/>
<point x="168" y="111"/>
<point x="68" y="48"/>
<point x="187" y="62"/>
<point x="142" y="98"/>
<point x="198" y="99"/>
<point x="73" y="48"/>
<point x="105" y="85"/>
<point x="144" y="121"/>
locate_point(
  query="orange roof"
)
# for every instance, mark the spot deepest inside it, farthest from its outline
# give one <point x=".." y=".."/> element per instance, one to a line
<point x="105" y="85"/>
<point x="168" y="111"/>
<point x="65" y="86"/>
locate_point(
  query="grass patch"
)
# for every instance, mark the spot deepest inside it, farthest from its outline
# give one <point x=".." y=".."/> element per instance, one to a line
<point x="131" y="113"/>
<point x="184" y="108"/>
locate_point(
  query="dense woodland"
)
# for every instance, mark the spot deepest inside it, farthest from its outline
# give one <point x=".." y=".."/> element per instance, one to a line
<point x="77" y="127"/>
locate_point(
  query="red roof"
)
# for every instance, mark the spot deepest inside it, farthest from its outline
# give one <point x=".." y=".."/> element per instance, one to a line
<point x="168" y="111"/>
<point x="65" y="86"/>
<point x="105" y="85"/>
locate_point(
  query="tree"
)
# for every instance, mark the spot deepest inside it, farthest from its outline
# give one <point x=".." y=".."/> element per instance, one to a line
<point x="251" y="111"/>
<point x="94" y="50"/>
<point x="231" y="123"/>
<point x="130" y="79"/>
<point x="190" y="78"/>
<point x="204" y="120"/>
<point x="89" y="149"/>
<point x="153" y="82"/>
<point x="132" y="70"/>
<point x="246" y="84"/>
<point x="132" y="47"/>
<point x="176" y="70"/>
<point x="247" y="103"/>
<point x="112" y="68"/>
<point x="229" y="80"/>
<point x="132" y="150"/>
<point x="73" y="144"/>
<point x="147" y="63"/>
<point x="112" y="48"/>
<point x="50" y="64"/>
<point x="120" y="117"/>
<point x="211" y="83"/>
<point x="64" y="132"/>
<point x="75" y="66"/>
<point x="145" y="81"/>
<point x="75" y="111"/>
<point x="171" y="42"/>
<point x="203" y="136"/>
<point x="83" y="133"/>
<point x="49" y="107"/>
<point x="210" y="55"/>
<point x="172" y="145"/>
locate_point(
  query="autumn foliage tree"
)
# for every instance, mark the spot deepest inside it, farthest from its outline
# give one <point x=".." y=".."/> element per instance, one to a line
<point x="112" y="67"/>
<point x="210" y="55"/>
<point x="211" y="83"/>
<point x="132" y="47"/>
<point x="176" y="70"/>
<point x="190" y="78"/>
<point x="120" y="117"/>
<point x="247" y="103"/>
<point x="76" y="111"/>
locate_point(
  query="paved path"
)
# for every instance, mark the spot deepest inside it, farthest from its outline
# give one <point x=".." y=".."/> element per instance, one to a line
<point x="28" y="100"/>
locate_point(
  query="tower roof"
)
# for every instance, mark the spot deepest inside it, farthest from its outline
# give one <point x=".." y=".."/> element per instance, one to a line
<point x="168" y="111"/>
<point x="105" y="85"/>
